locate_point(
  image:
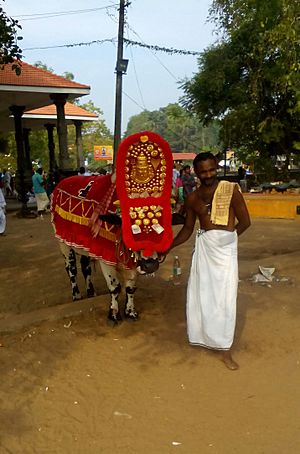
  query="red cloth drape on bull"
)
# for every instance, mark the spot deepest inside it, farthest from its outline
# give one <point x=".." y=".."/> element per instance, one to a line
<point x="76" y="204"/>
<point x="144" y="183"/>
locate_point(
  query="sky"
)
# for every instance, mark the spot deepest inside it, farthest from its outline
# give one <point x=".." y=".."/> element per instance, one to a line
<point x="152" y="79"/>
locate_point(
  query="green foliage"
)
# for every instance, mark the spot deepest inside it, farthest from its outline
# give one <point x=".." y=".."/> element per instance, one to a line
<point x="97" y="129"/>
<point x="249" y="80"/>
<point x="39" y="64"/>
<point x="182" y="130"/>
<point x="39" y="147"/>
<point x="9" y="50"/>
<point x="68" y="75"/>
<point x="93" y="133"/>
<point x="8" y="152"/>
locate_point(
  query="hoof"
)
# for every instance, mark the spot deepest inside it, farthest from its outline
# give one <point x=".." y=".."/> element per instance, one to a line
<point x="91" y="294"/>
<point x="131" y="314"/>
<point x="114" y="316"/>
<point x="76" y="298"/>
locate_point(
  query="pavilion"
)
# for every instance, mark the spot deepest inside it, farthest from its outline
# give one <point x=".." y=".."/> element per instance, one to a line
<point x="32" y="89"/>
<point x="46" y="117"/>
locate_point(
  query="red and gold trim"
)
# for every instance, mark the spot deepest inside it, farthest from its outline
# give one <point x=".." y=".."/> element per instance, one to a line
<point x="76" y="204"/>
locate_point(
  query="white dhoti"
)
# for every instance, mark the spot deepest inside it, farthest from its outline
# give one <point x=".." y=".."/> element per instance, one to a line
<point x="42" y="200"/>
<point x="212" y="290"/>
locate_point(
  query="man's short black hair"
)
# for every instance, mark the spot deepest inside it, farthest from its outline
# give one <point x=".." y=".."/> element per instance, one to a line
<point x="203" y="157"/>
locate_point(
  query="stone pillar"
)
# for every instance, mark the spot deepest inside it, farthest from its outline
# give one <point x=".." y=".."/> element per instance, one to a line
<point x="28" y="162"/>
<point x="62" y="131"/>
<point x="79" y="146"/>
<point x="51" y="147"/>
<point x="21" y="177"/>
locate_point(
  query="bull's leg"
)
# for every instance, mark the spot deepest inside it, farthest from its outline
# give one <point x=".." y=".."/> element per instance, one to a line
<point x="114" y="287"/>
<point x="130" y="286"/>
<point x="70" y="262"/>
<point x="85" y="263"/>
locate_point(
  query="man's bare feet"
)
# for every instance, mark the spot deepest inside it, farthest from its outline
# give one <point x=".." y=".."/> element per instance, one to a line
<point x="228" y="361"/>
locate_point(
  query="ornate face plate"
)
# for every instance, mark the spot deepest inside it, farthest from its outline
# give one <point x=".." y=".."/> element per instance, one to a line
<point x="145" y="171"/>
<point x="144" y="182"/>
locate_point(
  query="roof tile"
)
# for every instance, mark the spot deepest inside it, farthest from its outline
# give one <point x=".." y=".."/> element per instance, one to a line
<point x="35" y="77"/>
<point x="183" y="156"/>
<point x="70" y="109"/>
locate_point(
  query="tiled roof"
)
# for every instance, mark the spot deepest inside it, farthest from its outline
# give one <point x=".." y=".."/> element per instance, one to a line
<point x="183" y="156"/>
<point x="70" y="110"/>
<point x="35" y="77"/>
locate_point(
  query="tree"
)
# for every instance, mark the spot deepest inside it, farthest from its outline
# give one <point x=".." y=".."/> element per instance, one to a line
<point x="249" y="80"/>
<point x="10" y="52"/>
<point x="39" y="64"/>
<point x="68" y="75"/>
<point x="183" y="131"/>
<point x="97" y="130"/>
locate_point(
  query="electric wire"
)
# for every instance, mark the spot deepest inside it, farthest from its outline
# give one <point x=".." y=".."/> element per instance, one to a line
<point x="171" y="50"/>
<point x="38" y="16"/>
<point x="89" y="43"/>
<point x="133" y="100"/>
<point x="136" y="76"/>
<point x="153" y="53"/>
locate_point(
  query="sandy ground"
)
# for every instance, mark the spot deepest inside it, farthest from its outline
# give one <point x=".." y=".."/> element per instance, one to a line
<point x="79" y="385"/>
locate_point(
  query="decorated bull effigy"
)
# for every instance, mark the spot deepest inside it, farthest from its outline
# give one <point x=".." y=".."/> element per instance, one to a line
<point x="142" y="194"/>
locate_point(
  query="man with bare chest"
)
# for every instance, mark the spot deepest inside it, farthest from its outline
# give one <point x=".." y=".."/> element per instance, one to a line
<point x="212" y="288"/>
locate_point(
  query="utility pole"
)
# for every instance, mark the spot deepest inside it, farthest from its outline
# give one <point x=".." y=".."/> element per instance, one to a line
<point x="121" y="68"/>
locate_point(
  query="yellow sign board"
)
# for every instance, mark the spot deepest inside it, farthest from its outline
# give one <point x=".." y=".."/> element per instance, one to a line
<point x="103" y="153"/>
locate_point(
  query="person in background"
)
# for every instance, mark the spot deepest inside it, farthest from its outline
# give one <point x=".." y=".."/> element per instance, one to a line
<point x="2" y="213"/>
<point x="177" y="194"/>
<point x="1" y="183"/>
<point x="241" y="173"/>
<point x="41" y="197"/>
<point x="83" y="172"/>
<point x="7" y="182"/>
<point x="176" y="172"/>
<point x="188" y="181"/>
<point x="213" y="281"/>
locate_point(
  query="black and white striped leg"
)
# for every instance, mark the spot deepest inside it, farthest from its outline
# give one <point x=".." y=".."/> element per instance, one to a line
<point x="130" y="311"/>
<point x="85" y="263"/>
<point x="70" y="261"/>
<point x="130" y="286"/>
<point x="114" y="286"/>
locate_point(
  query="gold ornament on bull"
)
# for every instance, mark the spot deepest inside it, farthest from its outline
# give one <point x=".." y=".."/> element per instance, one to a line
<point x="142" y="171"/>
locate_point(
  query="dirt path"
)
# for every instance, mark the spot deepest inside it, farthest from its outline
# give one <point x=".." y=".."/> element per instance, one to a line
<point x="80" y="386"/>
